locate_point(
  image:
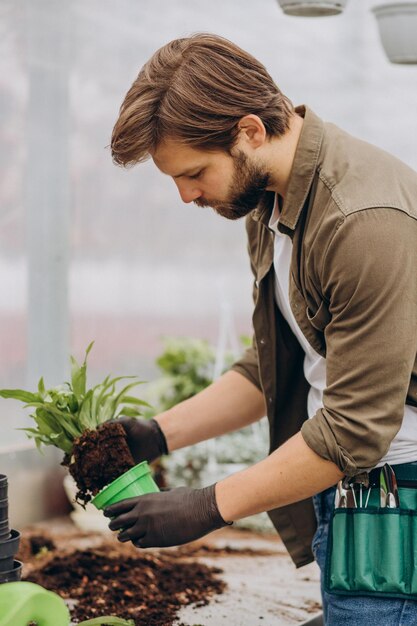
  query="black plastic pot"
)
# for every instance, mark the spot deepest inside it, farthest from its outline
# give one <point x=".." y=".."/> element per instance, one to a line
<point x="10" y="569"/>
<point x="4" y="520"/>
<point x="3" y="486"/>
<point x="8" y="549"/>
<point x="4" y="509"/>
<point x="13" y="575"/>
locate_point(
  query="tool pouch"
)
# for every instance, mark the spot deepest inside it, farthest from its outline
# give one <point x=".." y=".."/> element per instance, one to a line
<point x="372" y="551"/>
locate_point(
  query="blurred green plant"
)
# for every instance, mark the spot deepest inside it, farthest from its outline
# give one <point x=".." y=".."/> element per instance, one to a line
<point x="187" y="366"/>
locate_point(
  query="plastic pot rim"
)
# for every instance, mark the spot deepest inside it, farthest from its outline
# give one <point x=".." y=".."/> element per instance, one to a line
<point x="12" y="542"/>
<point x="17" y="567"/>
<point x="319" y="8"/>
<point x="390" y="8"/>
<point x="119" y="484"/>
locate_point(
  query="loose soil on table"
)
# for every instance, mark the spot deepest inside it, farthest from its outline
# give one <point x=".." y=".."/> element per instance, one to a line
<point x="99" y="576"/>
<point x="98" y="457"/>
<point x="149" y="587"/>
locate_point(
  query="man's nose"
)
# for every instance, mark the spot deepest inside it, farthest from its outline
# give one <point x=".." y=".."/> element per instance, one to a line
<point x="188" y="191"/>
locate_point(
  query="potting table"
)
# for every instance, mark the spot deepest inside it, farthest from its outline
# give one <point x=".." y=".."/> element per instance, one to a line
<point x="263" y="587"/>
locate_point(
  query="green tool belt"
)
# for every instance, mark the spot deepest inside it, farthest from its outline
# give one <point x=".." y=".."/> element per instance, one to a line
<point x="372" y="550"/>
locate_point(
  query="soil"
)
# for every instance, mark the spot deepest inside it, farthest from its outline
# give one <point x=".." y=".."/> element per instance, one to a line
<point x="259" y="581"/>
<point x="39" y="544"/>
<point x="149" y="587"/>
<point x="98" y="457"/>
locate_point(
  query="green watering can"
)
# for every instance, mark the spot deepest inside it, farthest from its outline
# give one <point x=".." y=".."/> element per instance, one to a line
<point x="24" y="603"/>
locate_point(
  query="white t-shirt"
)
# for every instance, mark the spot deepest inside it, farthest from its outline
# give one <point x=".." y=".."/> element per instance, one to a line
<point x="403" y="448"/>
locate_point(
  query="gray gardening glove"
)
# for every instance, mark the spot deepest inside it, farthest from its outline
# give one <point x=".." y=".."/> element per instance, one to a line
<point x="167" y="518"/>
<point x="144" y="437"/>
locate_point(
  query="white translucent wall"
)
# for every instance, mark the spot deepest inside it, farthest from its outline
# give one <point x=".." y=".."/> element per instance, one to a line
<point x="90" y="251"/>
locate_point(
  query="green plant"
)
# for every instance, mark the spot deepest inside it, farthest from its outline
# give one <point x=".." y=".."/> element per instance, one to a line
<point x="187" y="368"/>
<point x="186" y="365"/>
<point x="63" y="413"/>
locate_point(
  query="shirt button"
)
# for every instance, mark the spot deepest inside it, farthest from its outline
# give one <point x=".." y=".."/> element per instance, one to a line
<point x="262" y="341"/>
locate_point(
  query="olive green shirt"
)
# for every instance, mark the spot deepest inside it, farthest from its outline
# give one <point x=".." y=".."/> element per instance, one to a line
<point x="351" y="212"/>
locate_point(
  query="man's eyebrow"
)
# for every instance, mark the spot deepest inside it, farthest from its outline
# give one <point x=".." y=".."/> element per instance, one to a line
<point x="188" y="172"/>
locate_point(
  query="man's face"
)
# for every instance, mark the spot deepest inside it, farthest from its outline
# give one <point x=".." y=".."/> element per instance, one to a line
<point x="231" y="185"/>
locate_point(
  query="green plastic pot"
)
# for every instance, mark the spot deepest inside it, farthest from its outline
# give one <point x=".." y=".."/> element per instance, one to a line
<point x="135" y="482"/>
<point x="23" y="602"/>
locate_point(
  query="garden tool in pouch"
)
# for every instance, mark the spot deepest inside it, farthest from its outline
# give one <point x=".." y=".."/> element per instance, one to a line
<point x="372" y="545"/>
<point x="388" y="488"/>
<point x="349" y="491"/>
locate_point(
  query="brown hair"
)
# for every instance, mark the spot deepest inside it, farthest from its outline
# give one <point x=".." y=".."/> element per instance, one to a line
<point x="196" y="90"/>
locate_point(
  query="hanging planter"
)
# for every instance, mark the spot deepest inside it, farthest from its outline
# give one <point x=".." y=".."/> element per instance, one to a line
<point x="312" y="8"/>
<point x="397" y="25"/>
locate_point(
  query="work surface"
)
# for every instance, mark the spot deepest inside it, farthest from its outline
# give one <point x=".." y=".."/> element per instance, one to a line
<point x="262" y="584"/>
<point x="261" y="589"/>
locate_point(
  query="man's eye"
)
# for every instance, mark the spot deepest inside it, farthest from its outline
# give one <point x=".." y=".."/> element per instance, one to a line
<point x="194" y="176"/>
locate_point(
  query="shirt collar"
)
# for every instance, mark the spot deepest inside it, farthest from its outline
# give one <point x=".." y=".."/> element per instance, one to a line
<point x="302" y="173"/>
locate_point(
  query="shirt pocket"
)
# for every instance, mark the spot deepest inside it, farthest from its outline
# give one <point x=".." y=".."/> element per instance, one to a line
<point x="320" y="318"/>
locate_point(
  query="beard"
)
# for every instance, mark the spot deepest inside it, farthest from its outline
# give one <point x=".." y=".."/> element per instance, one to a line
<point x="249" y="183"/>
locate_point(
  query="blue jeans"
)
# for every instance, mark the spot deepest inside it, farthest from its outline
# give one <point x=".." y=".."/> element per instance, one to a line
<point x="354" y="610"/>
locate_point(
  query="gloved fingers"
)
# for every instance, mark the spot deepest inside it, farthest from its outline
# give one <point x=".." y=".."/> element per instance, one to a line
<point x="123" y="521"/>
<point x="126" y="422"/>
<point x="124" y="506"/>
<point x="144" y="542"/>
<point x="134" y="533"/>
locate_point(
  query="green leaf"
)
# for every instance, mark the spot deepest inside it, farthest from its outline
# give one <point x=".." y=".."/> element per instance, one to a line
<point x="41" y="388"/>
<point x="31" y="433"/>
<point x="85" y="417"/>
<point x="106" y="403"/>
<point x="132" y="400"/>
<point x="51" y="430"/>
<point x="78" y="377"/>
<point x="129" y="412"/>
<point x="58" y="419"/>
<point x="119" y="398"/>
<point x="107" y="409"/>
<point x="61" y="441"/>
<point x="87" y="352"/>
<point x="20" y="394"/>
<point x="97" y="394"/>
<point x="79" y="374"/>
<point x="107" y="621"/>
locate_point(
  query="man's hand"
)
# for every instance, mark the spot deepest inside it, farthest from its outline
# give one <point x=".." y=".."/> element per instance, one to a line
<point x="144" y="437"/>
<point x="167" y="518"/>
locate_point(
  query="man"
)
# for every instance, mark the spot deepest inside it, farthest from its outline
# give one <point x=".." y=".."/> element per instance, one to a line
<point x="332" y="230"/>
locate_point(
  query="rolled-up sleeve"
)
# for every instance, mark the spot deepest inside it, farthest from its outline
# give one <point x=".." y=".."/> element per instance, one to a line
<point x="369" y="281"/>
<point x="248" y="366"/>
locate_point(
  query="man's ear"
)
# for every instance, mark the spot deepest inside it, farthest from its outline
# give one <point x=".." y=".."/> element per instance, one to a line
<point x="252" y="130"/>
